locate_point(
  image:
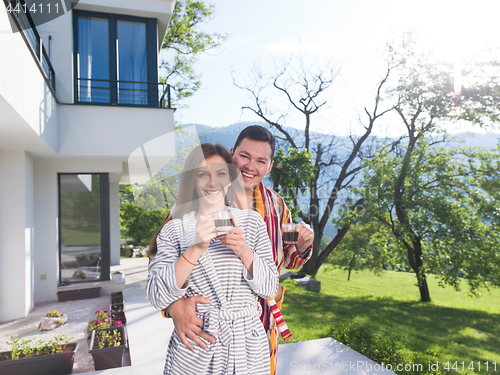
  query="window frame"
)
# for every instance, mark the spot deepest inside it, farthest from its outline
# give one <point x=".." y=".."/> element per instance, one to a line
<point x="151" y="57"/>
<point x="105" y="223"/>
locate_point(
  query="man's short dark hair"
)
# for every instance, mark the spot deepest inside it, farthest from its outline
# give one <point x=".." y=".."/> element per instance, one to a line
<point x="257" y="133"/>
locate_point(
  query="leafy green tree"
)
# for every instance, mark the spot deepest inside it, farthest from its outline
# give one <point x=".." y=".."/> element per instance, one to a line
<point x="293" y="169"/>
<point x="419" y="186"/>
<point x="443" y="219"/>
<point x="185" y="42"/>
<point x="359" y="249"/>
<point x="136" y="222"/>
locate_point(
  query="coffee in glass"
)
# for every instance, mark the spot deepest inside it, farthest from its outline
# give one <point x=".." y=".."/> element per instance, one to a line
<point x="222" y="219"/>
<point x="290" y="233"/>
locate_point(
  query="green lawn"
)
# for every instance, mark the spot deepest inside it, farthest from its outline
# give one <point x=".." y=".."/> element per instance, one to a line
<point x="85" y="237"/>
<point x="454" y="325"/>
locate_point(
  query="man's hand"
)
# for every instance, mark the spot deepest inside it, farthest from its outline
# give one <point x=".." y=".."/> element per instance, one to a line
<point x="187" y="324"/>
<point x="306" y="237"/>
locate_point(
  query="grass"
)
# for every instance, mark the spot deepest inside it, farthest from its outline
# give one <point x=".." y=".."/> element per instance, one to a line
<point x="455" y="326"/>
<point x="85" y="237"/>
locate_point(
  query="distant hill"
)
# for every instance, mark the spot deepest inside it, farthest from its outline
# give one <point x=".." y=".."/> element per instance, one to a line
<point x="227" y="136"/>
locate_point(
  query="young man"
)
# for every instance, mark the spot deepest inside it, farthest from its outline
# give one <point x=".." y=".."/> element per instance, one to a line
<point x="253" y="153"/>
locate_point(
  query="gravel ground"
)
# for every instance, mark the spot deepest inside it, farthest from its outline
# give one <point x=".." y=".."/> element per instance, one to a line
<point x="79" y="313"/>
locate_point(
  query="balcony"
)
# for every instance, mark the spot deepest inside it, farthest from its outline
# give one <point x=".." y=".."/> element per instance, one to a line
<point x="26" y="26"/>
<point x="123" y="93"/>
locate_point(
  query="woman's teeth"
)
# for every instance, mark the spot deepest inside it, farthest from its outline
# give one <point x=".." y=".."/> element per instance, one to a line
<point x="212" y="192"/>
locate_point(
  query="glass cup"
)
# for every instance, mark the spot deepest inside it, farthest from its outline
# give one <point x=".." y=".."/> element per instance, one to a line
<point x="290" y="233"/>
<point x="222" y="219"/>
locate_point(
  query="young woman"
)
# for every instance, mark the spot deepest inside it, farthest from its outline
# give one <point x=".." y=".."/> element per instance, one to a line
<point x="231" y="270"/>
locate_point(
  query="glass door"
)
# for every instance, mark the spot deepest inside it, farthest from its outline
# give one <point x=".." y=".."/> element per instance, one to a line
<point x="83" y="241"/>
<point x="93" y="60"/>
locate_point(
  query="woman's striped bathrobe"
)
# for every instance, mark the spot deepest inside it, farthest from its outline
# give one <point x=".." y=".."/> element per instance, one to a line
<point x="232" y="316"/>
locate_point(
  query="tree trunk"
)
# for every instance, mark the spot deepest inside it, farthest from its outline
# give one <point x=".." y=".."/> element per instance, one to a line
<point x="423" y="287"/>
<point x="351" y="266"/>
<point x="310" y="266"/>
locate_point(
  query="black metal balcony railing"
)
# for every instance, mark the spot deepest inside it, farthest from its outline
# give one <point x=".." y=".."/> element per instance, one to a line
<point x="26" y="26"/>
<point x="131" y="93"/>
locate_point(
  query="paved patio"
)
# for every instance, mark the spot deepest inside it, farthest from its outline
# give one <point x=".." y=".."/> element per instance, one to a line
<point x="149" y="334"/>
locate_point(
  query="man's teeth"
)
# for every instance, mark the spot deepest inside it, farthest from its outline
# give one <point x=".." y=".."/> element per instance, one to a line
<point x="247" y="175"/>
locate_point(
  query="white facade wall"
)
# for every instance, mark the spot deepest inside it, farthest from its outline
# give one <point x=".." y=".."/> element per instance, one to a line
<point x="42" y="135"/>
<point x="16" y="234"/>
<point x="46" y="216"/>
<point x="29" y="110"/>
<point x="110" y="131"/>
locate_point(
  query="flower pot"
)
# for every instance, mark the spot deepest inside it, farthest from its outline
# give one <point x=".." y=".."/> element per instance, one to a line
<point x="117" y="297"/>
<point x="108" y="357"/>
<point x="71" y="295"/>
<point x="116" y="314"/>
<point x="117" y="276"/>
<point x="117" y="307"/>
<point x="49" y="364"/>
<point x="87" y="262"/>
<point x="119" y="315"/>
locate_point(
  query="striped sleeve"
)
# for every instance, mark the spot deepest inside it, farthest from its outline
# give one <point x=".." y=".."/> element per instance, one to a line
<point x="161" y="285"/>
<point x="265" y="275"/>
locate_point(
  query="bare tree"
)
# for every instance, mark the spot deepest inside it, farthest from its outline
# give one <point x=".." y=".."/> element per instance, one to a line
<point x="336" y="162"/>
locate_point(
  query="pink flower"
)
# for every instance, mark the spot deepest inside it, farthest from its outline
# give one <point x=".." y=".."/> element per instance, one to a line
<point x="105" y="311"/>
<point x="118" y="323"/>
<point x="97" y="312"/>
<point x="104" y="320"/>
<point x="96" y="323"/>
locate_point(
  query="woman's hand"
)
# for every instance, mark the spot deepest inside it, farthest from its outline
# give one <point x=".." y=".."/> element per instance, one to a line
<point x="235" y="240"/>
<point x="205" y="231"/>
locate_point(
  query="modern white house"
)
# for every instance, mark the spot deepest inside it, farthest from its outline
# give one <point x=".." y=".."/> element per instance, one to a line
<point x="78" y="94"/>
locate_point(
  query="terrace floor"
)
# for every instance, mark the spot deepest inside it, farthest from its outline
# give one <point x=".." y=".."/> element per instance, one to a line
<point x="149" y="334"/>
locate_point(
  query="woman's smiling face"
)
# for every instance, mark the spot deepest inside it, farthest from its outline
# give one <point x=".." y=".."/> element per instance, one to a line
<point x="212" y="182"/>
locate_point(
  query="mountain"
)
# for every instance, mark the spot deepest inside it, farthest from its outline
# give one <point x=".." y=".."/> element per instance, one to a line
<point x="227" y="136"/>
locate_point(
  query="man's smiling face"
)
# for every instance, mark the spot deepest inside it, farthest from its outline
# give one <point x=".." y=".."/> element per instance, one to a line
<point x="254" y="160"/>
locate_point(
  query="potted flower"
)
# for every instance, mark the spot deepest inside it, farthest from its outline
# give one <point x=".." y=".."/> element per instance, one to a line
<point x="88" y="260"/>
<point x="117" y="276"/>
<point x="100" y="321"/>
<point x="107" y="346"/>
<point x="54" y="357"/>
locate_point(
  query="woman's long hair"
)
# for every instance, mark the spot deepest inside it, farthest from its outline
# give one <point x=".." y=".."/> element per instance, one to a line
<point x="187" y="199"/>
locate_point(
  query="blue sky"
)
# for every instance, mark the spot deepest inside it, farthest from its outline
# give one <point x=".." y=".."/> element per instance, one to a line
<point x="349" y="33"/>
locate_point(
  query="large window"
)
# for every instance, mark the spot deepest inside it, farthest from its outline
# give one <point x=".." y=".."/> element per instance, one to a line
<point x="115" y="60"/>
<point x="84" y="227"/>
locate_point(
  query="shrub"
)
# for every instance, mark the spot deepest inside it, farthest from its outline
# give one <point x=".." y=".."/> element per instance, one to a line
<point x="126" y="251"/>
<point x="387" y="350"/>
